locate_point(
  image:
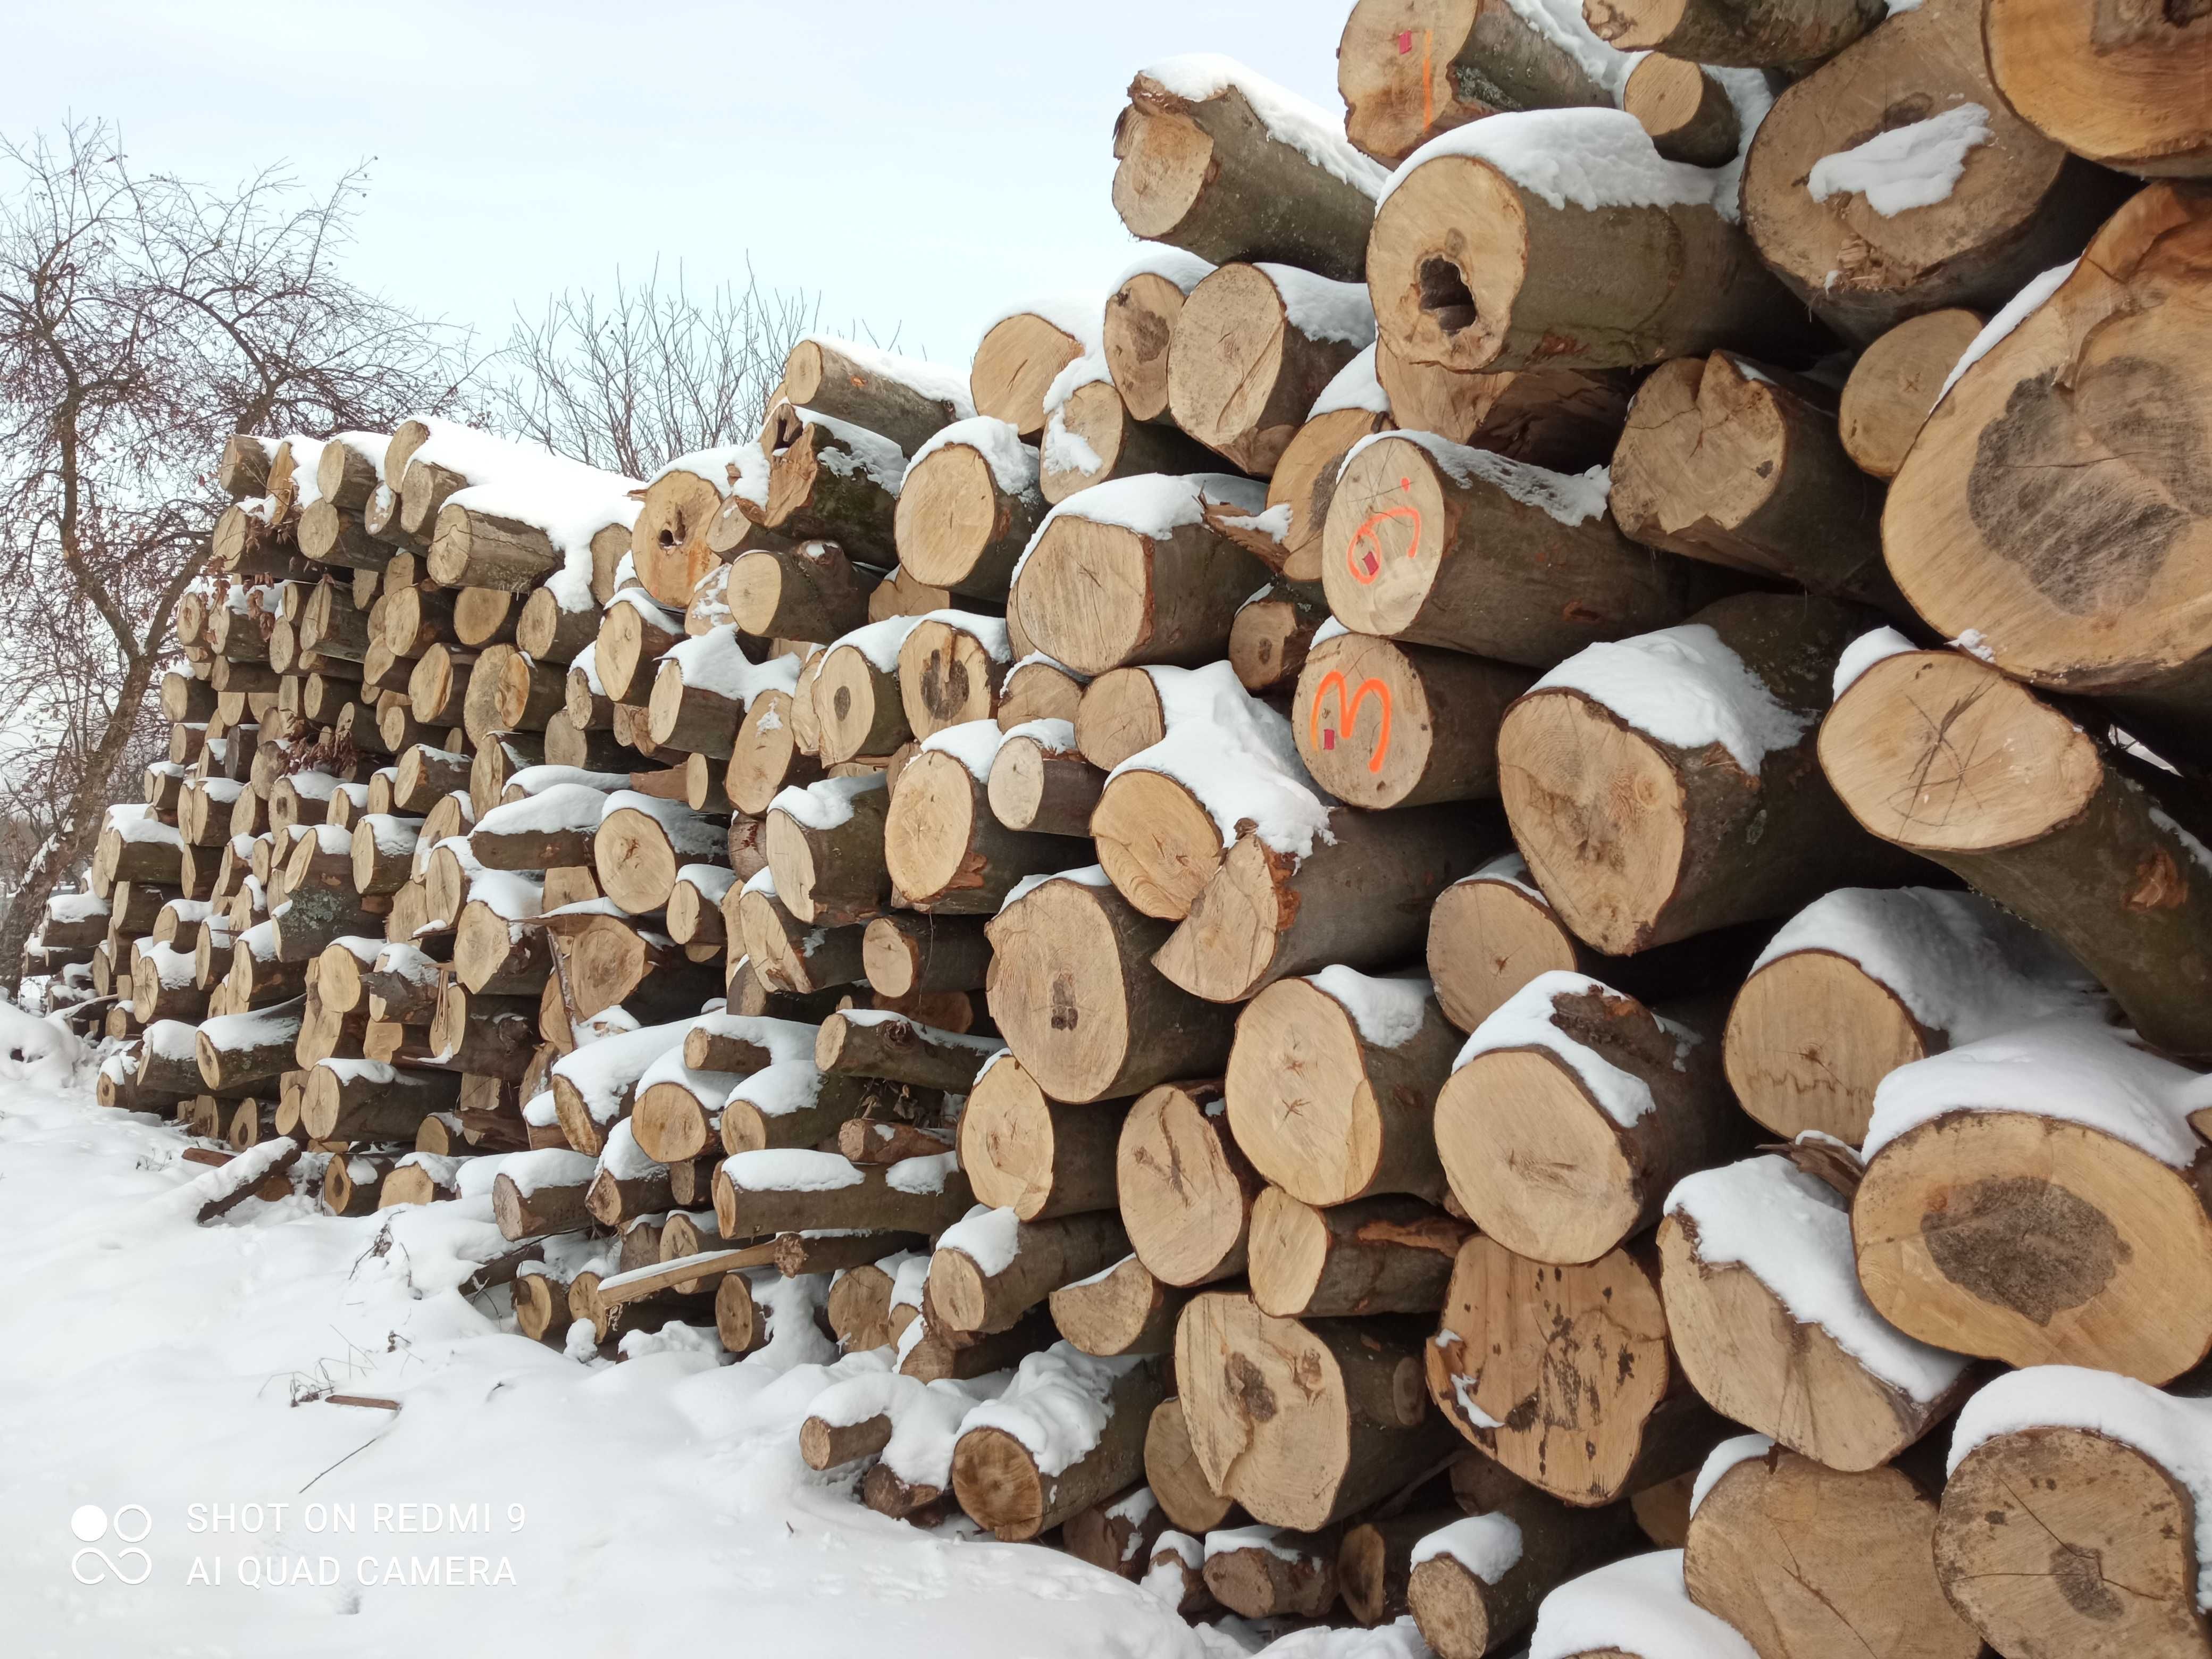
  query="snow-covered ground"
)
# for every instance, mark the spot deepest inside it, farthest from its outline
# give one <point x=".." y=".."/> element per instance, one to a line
<point x="148" y="1361"/>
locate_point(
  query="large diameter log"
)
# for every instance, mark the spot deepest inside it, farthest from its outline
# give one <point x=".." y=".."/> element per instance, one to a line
<point x="1770" y="1324"/>
<point x="1573" y="1110"/>
<point x="1228" y="166"/>
<point x="507" y="692"/>
<point x="1185" y="1188"/>
<point x="1863" y="254"/>
<point x="1735" y="823"/>
<point x="1261" y="344"/>
<point x="1013" y="1490"/>
<point x="825" y="849"/>
<point x="856" y="696"/>
<point x="946" y="851"/>
<point x="1942" y="754"/>
<point x="782" y="1190"/>
<point x="1861" y="982"/>
<point x="1387" y="1254"/>
<point x="949" y="668"/>
<point x="1726" y="462"/>
<point x="1022" y="354"/>
<point x="1380" y="723"/>
<point x="1894" y="386"/>
<point x="1303" y="1423"/>
<point x="1095" y="593"/>
<point x="331" y="536"/>
<point x="788" y="955"/>
<point x="1471" y="269"/>
<point x="367" y="1100"/>
<point x="2124" y="95"/>
<point x="1799" y="1557"/>
<point x="2071" y="1520"/>
<point x="1332" y="1082"/>
<point x="968" y="506"/>
<point x="1409" y="72"/>
<point x="1037" y="1156"/>
<point x="1969" y="1160"/>
<point x="992" y="1268"/>
<point x="1564" y="1374"/>
<point x="1436" y="544"/>
<point x="2046" y="504"/>
<point x="668" y="543"/>
<point x="1074" y="992"/>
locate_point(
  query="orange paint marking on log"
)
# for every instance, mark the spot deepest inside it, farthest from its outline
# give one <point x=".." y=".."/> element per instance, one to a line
<point x="1428" y="84"/>
<point x="1348" y="703"/>
<point x="1362" y="555"/>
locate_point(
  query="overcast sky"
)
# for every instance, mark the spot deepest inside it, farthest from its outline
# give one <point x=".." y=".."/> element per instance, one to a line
<point x="922" y="166"/>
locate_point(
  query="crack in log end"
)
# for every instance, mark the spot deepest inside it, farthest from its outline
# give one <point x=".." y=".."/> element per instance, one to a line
<point x="1445" y="295"/>
<point x="2025" y="1244"/>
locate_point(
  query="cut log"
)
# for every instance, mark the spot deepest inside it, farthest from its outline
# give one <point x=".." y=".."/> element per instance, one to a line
<point x="353" y="1182"/>
<point x="1435" y="544"/>
<point x="945" y="850"/>
<point x="1800" y="1558"/>
<point x="858" y="708"/>
<point x="1473" y="269"/>
<point x="1864" y="980"/>
<point x="1228" y="166"/>
<point x="2071" y="1521"/>
<point x="1074" y="993"/>
<point x="368" y="1100"/>
<point x="790" y="1104"/>
<point x="810" y="592"/>
<point x="548" y="631"/>
<point x="2126" y="93"/>
<point x="1863" y="254"/>
<point x="1040" y="782"/>
<point x="1037" y="1156"/>
<point x="1942" y="754"/>
<point x="1743" y="467"/>
<point x="1090" y="436"/>
<point x="1738" y="825"/>
<point x="970" y="505"/>
<point x="949" y="668"/>
<point x="1172" y="1472"/>
<point x="1894" y="384"/>
<point x="932" y="1356"/>
<point x="541" y="1192"/>
<point x="905" y="955"/>
<point x="1573" y="1110"/>
<point x="1120" y="1309"/>
<point x="331" y="536"/>
<point x="2014" y="1207"/>
<point x="831" y="481"/>
<point x="765" y="756"/>
<point x="1564" y="1375"/>
<point x="2059" y="527"/>
<point x="992" y="1268"/>
<point x="238" y="1049"/>
<point x="1685" y="109"/>
<point x="1037" y="688"/>
<point x="783" y="1190"/>
<point x="643" y="842"/>
<point x="703" y="688"/>
<point x="1332" y="1082"/>
<point x="1022" y="354"/>
<point x="788" y="955"/>
<point x="1272" y="1572"/>
<point x="904" y="398"/>
<point x="1380" y="723"/>
<point x="509" y="692"/>
<point x="1006" y="1486"/>
<point x="1273" y="632"/>
<point x="1765" y="35"/>
<point x="1474" y="1584"/>
<point x="1139" y="324"/>
<point x="1094" y="592"/>
<point x="1117" y="1535"/>
<point x="825" y="849"/>
<point x="1303" y="1423"/>
<point x="634" y="633"/>
<point x="1769" y="1322"/>
<point x="1388" y="1255"/>
<point x="1261" y="345"/>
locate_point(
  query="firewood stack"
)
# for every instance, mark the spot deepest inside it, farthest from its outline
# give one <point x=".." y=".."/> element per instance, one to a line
<point x="1343" y="918"/>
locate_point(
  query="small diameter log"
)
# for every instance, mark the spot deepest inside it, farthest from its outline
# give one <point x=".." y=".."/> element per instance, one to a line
<point x="643" y="842"/>
<point x="1270" y="1572"/>
<point x="1894" y="386"/>
<point x="1862" y="255"/>
<point x="825" y="849"/>
<point x="1223" y="167"/>
<point x="1139" y="325"/>
<point x="703" y="688"/>
<point x="1435" y="544"/>
<point x="1120" y="1309"/>
<point x="611" y="962"/>
<point x="695" y="904"/>
<point x="949" y="668"/>
<point x="1942" y="755"/>
<point x="1022" y="354"/>
<point x="785" y="1190"/>
<point x="945" y="850"/>
<point x="1573" y="1110"/>
<point x="1090" y="436"/>
<point x="969" y="504"/>
<point x="507" y="693"/>
<point x="1271" y="636"/>
<point x="1474" y="1584"/>
<point x="1375" y="1563"/>
<point x="904" y="398"/>
<point x="1739" y="826"/>
<point x="549" y="632"/>
<point x="1077" y="998"/>
<point x="2070" y="1523"/>
<point x="905" y="955"/>
<point x="1688" y="113"/>
<point x="1172" y="1472"/>
<point x="935" y="1356"/>
<point x="1124" y="712"/>
<point x="541" y="831"/>
<point x="858" y="1309"/>
<point x="990" y="1268"/>
<point x="1564" y="1375"/>
<point x="1117" y="1535"/>
<point x="1037" y="1156"/>
<point x="353" y="1182"/>
<point x="1799" y="1557"/>
<point x="1185" y="1188"/>
<point x="765" y="756"/>
<point x="871" y="1042"/>
<point x="1094" y="594"/>
<point x="437" y="686"/>
<point x="1741" y="466"/>
<point x="1766" y="34"/>
<point x="235" y="1050"/>
<point x="1006" y="1486"/>
<point x="2126" y="96"/>
<point x="809" y="592"/>
<point x="1036" y="689"/>
<point x="1474" y="271"/>
<point x="1262" y="342"/>
<point x="1769" y="1322"/>
<point x="1380" y="723"/>
<point x="1854" y="987"/>
<point x="331" y="536"/>
<point x="1387" y="1254"/>
<point x="1303" y="1423"/>
<point x="1332" y="1082"/>
<point x="1966" y="1165"/>
<point x="790" y="1104"/>
<point x="789" y="956"/>
<point x="368" y="1100"/>
<point x="541" y="1192"/>
<point x="1040" y="781"/>
<point x="832" y="481"/>
<point x="634" y="633"/>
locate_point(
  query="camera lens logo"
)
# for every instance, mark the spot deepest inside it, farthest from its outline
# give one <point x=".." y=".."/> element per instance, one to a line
<point x="92" y="1564"/>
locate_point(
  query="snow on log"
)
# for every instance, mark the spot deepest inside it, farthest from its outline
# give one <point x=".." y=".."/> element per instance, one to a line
<point x="1022" y="351"/>
<point x="1272" y="1572"/>
<point x="1262" y="342"/>
<point x="1120" y="1309"/>
<point x="875" y="1043"/>
<point x="1474" y="1584"/>
<point x="1635" y="1608"/>
<point x="825" y="849"/>
<point x="1037" y="1156"/>
<point x="1387" y="1254"/>
<point x="992" y="1267"/>
<point x="785" y="1190"/>
<point x="906" y="400"/>
<point x="1067" y="1431"/>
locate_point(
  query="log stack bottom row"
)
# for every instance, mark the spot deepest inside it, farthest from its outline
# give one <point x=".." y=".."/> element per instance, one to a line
<point x="1490" y="901"/>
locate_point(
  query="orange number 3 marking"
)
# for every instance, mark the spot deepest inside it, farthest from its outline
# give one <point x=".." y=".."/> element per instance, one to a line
<point x="1348" y="715"/>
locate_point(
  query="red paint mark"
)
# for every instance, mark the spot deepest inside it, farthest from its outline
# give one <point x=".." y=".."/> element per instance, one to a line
<point x="1348" y="710"/>
<point x="1405" y="41"/>
<point x="1363" y="556"/>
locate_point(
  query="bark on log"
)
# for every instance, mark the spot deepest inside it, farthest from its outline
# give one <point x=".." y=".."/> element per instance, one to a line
<point x="858" y="712"/>
<point x="905" y="955"/>
<point x="859" y="1043"/>
<point x="895" y="1198"/>
<point x="906" y="400"/>
<point x="1766" y="34"/>
<point x="368" y="1100"/>
<point x="789" y="956"/>
<point x="1376" y="1255"/>
<point x="1116" y="1536"/>
<point x="1002" y="1484"/>
<point x="1040" y="781"/>
<point x="1894" y="386"/>
<point x="835" y="483"/>
<point x="1464" y="1615"/>
<point x="1270" y="1572"/>
<point x="470" y="548"/>
<point x="949" y="670"/>
<point x="973" y="1297"/>
<point x="643" y="843"/>
<point x="240" y="1050"/>
<point x="1273" y="634"/>
<point x="1036" y="689"/>
<point x="809" y="592"/>
<point x="553" y="1201"/>
<point x="633" y="635"/>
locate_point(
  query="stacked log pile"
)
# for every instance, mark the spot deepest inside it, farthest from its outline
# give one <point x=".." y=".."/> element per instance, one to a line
<point x="1342" y="919"/>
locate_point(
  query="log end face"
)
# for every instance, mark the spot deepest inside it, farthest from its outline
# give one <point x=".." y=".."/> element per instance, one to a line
<point x="996" y="1481"/>
<point x="1809" y="1038"/>
<point x="1166" y="161"/>
<point x="1449" y="1609"/>
<point x="1445" y="260"/>
<point x="1389" y="532"/>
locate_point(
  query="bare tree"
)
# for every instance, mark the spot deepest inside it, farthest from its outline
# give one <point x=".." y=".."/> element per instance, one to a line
<point x="142" y="318"/>
<point x="631" y="382"/>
